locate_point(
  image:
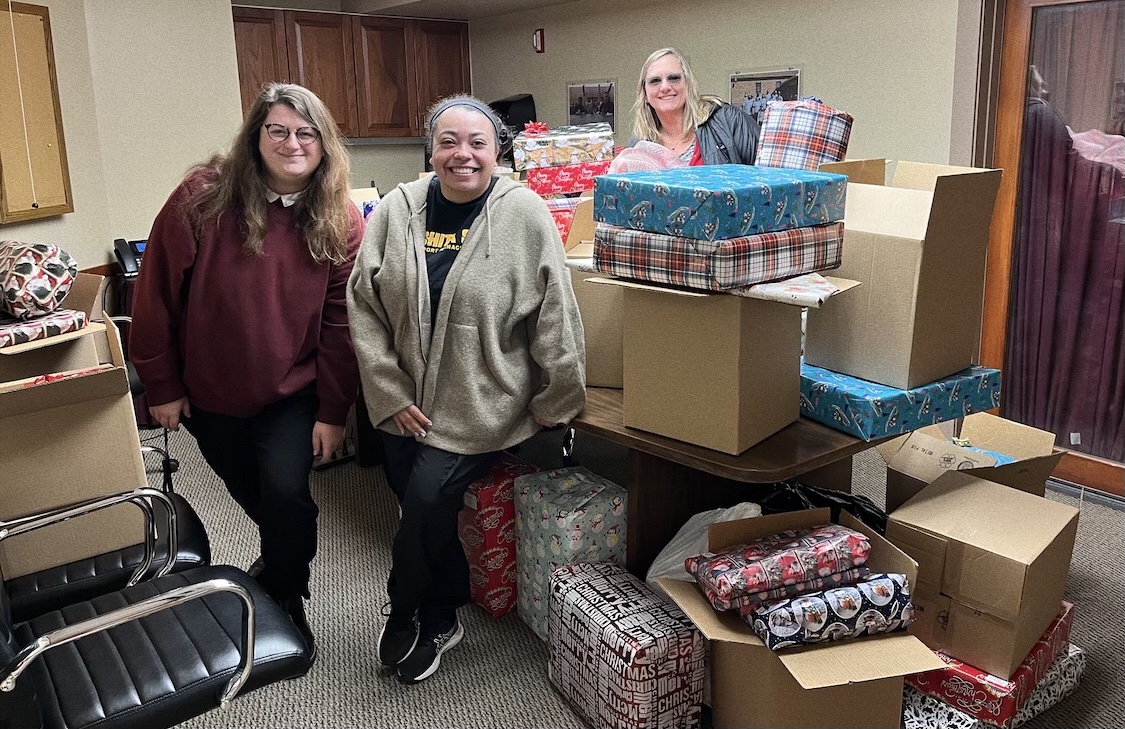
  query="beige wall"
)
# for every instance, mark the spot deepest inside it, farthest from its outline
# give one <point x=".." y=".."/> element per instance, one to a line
<point x="889" y="63"/>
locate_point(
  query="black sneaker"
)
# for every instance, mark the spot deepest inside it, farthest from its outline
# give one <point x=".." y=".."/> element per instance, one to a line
<point x="397" y="638"/>
<point x="294" y="607"/>
<point x="424" y="660"/>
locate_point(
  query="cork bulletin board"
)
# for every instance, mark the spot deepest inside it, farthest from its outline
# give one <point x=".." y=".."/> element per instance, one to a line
<point x="34" y="178"/>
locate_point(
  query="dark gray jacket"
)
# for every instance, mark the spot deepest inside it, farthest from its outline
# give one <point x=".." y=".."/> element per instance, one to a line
<point x="729" y="136"/>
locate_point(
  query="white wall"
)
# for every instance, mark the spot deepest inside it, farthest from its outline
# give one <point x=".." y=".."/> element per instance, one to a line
<point x="889" y="63"/>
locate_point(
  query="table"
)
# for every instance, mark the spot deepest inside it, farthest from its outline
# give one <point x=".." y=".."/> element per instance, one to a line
<point x="670" y="480"/>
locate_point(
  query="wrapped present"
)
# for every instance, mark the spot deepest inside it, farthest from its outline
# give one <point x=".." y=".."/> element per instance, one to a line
<point x="747" y="604"/>
<point x="717" y="265"/>
<point x="713" y="202"/>
<point x="990" y="698"/>
<point x="879" y="604"/>
<point x="801" y="135"/>
<point x="34" y="278"/>
<point x="487" y="527"/>
<point x="785" y="558"/>
<point x="621" y="655"/>
<point x="869" y="410"/>
<point x="565" y="178"/>
<point x="57" y="322"/>
<point x="566" y="145"/>
<point x="563" y="517"/>
<point x="921" y="711"/>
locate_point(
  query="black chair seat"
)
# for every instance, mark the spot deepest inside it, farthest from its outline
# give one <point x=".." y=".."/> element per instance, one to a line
<point x="50" y="589"/>
<point x="162" y="669"/>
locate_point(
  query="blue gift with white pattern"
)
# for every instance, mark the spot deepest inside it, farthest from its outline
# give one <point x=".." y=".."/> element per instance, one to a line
<point x="869" y="410"/>
<point x="716" y="202"/>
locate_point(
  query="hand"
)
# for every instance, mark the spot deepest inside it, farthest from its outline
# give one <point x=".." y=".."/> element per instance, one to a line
<point x="326" y="439"/>
<point x="413" y="421"/>
<point x="168" y="414"/>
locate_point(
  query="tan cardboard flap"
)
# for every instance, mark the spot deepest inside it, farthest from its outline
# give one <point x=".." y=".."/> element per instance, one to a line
<point x="724" y="534"/>
<point x="714" y="625"/>
<point x="1030" y="475"/>
<point x="925" y="458"/>
<point x="924" y="176"/>
<point x="992" y="433"/>
<point x="86" y="293"/>
<point x="842" y="284"/>
<point x="64" y="392"/>
<point x="863" y="171"/>
<point x="585" y="249"/>
<point x="582" y="227"/>
<point x="927" y="549"/>
<point x="90" y="328"/>
<point x="887" y="449"/>
<point x="887" y="211"/>
<point x="659" y="288"/>
<point x="835" y="663"/>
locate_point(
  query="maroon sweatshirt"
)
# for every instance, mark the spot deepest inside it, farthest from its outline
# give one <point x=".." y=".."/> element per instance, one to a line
<point x="248" y="330"/>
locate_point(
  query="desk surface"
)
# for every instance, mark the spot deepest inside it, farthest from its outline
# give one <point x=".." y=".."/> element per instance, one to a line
<point x="795" y="450"/>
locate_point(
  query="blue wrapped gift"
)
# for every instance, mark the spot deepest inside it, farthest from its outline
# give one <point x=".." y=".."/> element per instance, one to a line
<point x="869" y="410"/>
<point x="717" y="202"/>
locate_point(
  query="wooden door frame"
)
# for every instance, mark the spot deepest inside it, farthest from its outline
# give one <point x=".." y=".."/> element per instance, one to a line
<point x="1076" y="467"/>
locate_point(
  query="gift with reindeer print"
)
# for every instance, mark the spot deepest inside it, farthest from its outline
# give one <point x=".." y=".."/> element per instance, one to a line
<point x="715" y="202"/>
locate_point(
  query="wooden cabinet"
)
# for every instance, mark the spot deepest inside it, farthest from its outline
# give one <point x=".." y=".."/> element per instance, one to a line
<point x="377" y="74"/>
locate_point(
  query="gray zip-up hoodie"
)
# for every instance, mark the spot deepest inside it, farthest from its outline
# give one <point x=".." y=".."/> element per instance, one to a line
<point x="507" y="344"/>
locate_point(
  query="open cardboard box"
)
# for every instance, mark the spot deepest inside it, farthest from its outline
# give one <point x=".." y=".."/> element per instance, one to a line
<point x="714" y="369"/>
<point x="917" y="459"/>
<point x="580" y="240"/>
<point x="601" y="307"/>
<point x="70" y="440"/>
<point x="992" y="567"/>
<point x="848" y="683"/>
<point x="918" y="245"/>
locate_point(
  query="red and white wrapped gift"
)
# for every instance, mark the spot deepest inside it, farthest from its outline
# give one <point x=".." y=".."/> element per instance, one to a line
<point x="487" y="527"/>
<point x="565" y="178"/>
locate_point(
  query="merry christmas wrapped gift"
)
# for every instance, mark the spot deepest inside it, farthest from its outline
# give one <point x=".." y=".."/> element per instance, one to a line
<point x="714" y="202"/>
<point x="717" y="265"/>
<point x="621" y="655"/>
<point x="563" y="517"/>
<point x="538" y="146"/>
<point x="487" y="527"/>
<point x="926" y="712"/>
<point x="562" y="210"/>
<point x="565" y="178"/>
<point x="869" y="410"/>
<point x="990" y="698"/>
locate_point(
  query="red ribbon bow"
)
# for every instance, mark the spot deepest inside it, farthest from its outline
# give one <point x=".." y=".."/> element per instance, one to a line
<point x="535" y="128"/>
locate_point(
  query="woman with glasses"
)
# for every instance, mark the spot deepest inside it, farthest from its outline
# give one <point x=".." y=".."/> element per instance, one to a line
<point x="701" y="130"/>
<point x="240" y="327"/>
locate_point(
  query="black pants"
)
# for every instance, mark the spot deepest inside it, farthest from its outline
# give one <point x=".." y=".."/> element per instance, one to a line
<point x="265" y="461"/>
<point x="429" y="572"/>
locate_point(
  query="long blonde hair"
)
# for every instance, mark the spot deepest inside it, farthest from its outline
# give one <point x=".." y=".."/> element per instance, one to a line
<point x="238" y="183"/>
<point x="646" y="125"/>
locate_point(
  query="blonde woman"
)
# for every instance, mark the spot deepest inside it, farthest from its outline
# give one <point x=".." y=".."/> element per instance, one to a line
<point x="701" y="130"/>
<point x="240" y="327"/>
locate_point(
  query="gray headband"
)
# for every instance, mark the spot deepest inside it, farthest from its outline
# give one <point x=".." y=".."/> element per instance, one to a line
<point x="470" y="102"/>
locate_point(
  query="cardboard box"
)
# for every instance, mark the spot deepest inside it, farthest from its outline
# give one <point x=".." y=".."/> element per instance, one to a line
<point x="717" y="370"/>
<point x="991" y="698"/>
<point x="601" y="307"/>
<point x="580" y="237"/>
<point x="869" y="410"/>
<point x="998" y="450"/>
<point x="993" y="563"/>
<point x="67" y="441"/>
<point x="918" y="245"/>
<point x="848" y="683"/>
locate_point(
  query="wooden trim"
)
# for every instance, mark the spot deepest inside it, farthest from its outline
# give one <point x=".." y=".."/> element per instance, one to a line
<point x="1092" y="472"/>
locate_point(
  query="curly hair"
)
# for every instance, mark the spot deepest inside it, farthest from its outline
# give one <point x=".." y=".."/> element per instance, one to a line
<point x="237" y="184"/>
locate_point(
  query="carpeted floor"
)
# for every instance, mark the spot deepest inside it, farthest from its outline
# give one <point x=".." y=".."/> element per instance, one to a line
<point x="497" y="676"/>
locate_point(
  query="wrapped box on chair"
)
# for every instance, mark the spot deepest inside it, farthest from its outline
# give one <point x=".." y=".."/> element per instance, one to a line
<point x="717" y="265"/>
<point x="563" y="146"/>
<point x="719" y="201"/>
<point x="563" y="517"/>
<point x="487" y="527"/>
<point x="624" y="657"/>
<point x="869" y="410"/>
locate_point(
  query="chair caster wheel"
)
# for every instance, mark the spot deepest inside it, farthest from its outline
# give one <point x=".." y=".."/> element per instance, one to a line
<point x="173" y="465"/>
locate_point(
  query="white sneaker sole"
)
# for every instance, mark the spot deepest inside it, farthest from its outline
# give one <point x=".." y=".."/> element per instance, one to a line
<point x="457" y="637"/>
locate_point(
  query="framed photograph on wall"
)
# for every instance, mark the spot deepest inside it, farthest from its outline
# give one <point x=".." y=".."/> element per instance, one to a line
<point x="588" y="102"/>
<point x="754" y="90"/>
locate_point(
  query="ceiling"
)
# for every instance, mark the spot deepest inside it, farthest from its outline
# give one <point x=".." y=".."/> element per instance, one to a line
<point x="454" y="9"/>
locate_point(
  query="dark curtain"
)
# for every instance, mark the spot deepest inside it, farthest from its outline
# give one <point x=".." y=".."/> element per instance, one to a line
<point x="1064" y="367"/>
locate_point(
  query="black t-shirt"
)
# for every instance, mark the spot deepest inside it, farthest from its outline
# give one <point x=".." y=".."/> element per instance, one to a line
<point x="447" y="224"/>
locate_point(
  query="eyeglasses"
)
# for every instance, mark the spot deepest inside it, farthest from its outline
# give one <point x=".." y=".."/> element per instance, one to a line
<point x="280" y="132"/>
<point x="673" y="79"/>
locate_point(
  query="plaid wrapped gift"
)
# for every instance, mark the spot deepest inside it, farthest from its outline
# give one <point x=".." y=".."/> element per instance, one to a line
<point x="713" y="202"/>
<point x="59" y="322"/>
<point x="717" y="265"/>
<point x="800" y="135"/>
<point x="563" y="146"/>
<point x="565" y="178"/>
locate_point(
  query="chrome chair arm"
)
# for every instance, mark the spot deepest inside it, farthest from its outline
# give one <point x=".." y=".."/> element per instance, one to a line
<point x="154" y="604"/>
<point x="139" y="497"/>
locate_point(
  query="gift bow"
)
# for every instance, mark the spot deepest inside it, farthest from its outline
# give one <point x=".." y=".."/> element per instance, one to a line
<point x="535" y="128"/>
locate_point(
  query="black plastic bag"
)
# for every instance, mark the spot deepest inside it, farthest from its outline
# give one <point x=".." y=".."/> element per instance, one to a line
<point x="796" y="496"/>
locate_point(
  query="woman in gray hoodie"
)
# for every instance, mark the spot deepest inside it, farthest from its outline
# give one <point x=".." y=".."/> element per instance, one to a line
<point x="469" y="341"/>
